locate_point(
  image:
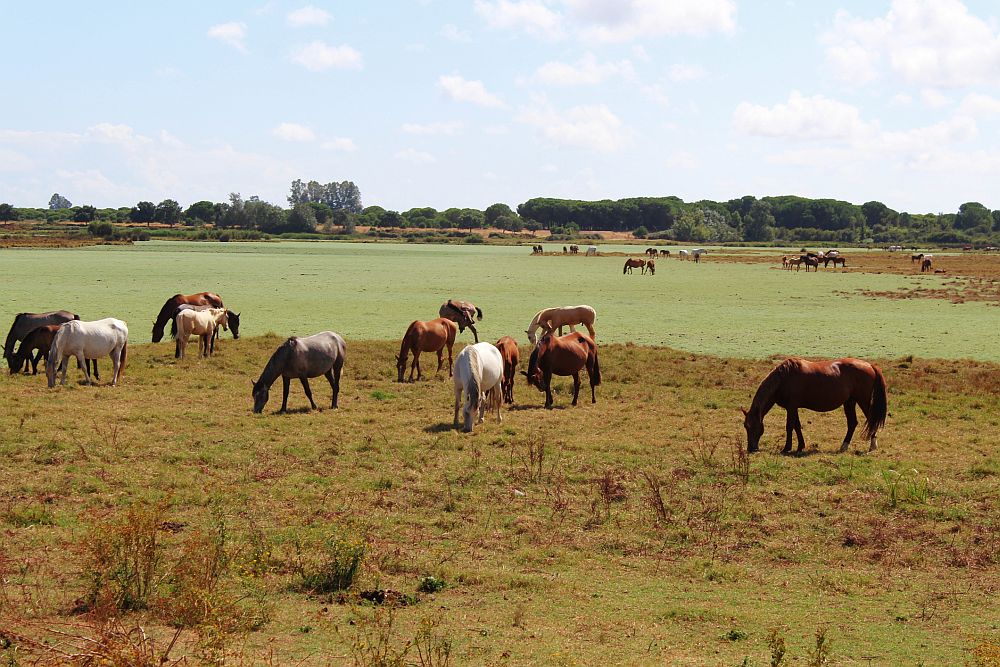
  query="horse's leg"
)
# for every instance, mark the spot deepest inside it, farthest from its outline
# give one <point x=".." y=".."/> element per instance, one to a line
<point x="86" y="370"/>
<point x="798" y="431"/>
<point x="547" y="379"/>
<point x="852" y="423"/>
<point x="590" y="329"/>
<point x="873" y="444"/>
<point x="416" y="364"/>
<point x="34" y="362"/>
<point x="333" y="377"/>
<point x="449" y="361"/>
<point x="285" y="382"/>
<point x="576" y="386"/>
<point x="458" y="398"/>
<point x="116" y="364"/>
<point x="97" y="374"/>
<point x="309" y="394"/>
<point x="440" y="354"/>
<point x="789" y="427"/>
<point x="475" y="334"/>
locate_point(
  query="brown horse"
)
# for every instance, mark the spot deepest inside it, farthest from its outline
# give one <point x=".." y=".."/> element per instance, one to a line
<point x="651" y="252"/>
<point x="169" y="309"/>
<point x="836" y="259"/>
<point x="511" y="356"/>
<point x="650" y="266"/>
<point x="820" y="386"/>
<point x="633" y="264"/>
<point x="463" y="313"/>
<point x="925" y="265"/>
<point x="432" y="336"/>
<point x="38" y="339"/>
<point x="809" y="260"/>
<point x="563" y="355"/>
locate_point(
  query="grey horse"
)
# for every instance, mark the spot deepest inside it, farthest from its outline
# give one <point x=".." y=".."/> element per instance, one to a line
<point x="302" y="358"/>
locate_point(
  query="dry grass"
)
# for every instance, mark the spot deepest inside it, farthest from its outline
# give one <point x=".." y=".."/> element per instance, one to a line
<point x="634" y="527"/>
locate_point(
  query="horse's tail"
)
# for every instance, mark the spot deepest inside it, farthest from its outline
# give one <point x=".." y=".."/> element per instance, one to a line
<point x="121" y="360"/>
<point x="173" y="327"/>
<point x="879" y="408"/>
<point x="595" y="375"/>
<point x="473" y="388"/>
<point x="479" y="314"/>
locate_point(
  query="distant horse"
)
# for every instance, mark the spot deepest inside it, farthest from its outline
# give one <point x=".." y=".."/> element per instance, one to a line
<point x="574" y="249"/>
<point x="793" y="261"/>
<point x="650" y="266"/>
<point x="234" y="325"/>
<point x="651" y="252"/>
<point x="88" y="340"/>
<point x="697" y="253"/>
<point x="916" y="258"/>
<point x="926" y="264"/>
<point x="683" y="254"/>
<point x="784" y="261"/>
<point x="25" y="323"/>
<point x="820" y="386"/>
<point x="511" y="356"/>
<point x="201" y="323"/>
<point x="591" y="251"/>
<point x="633" y="264"/>
<point x="169" y="309"/>
<point x="302" y="358"/>
<point x="664" y="253"/>
<point x="39" y="339"/>
<point x="565" y="250"/>
<point x="432" y="336"/>
<point x="836" y="259"/>
<point x="809" y="260"/>
<point x="479" y="374"/>
<point x="563" y="355"/>
<point x="550" y="319"/>
<point x="462" y="313"/>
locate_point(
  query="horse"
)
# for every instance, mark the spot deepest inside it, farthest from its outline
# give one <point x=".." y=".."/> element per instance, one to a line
<point x="793" y="261"/>
<point x="925" y="265"/>
<point x="39" y="339"/>
<point x="651" y="252"/>
<point x="592" y="251"/>
<point x="511" y="356"/>
<point x="169" y="309"/>
<point x="565" y="250"/>
<point x="563" y="355"/>
<point x="302" y="358"/>
<point x="202" y="323"/>
<point x="479" y="374"/>
<point x="664" y="253"/>
<point x="916" y="258"/>
<point x="683" y="254"/>
<point x="784" y="261"/>
<point x="836" y="259"/>
<point x="88" y="340"/>
<point x="234" y="325"/>
<point x="432" y="336"/>
<point x="462" y="313"/>
<point x="550" y="319"/>
<point x="820" y="386"/>
<point x="809" y="260"/>
<point x="650" y="266"/>
<point x="25" y="323"/>
<point x="633" y="264"/>
<point x="574" y="249"/>
<point x="697" y="253"/>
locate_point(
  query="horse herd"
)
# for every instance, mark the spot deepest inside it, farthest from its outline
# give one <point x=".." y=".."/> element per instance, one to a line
<point x="483" y="372"/>
<point x="813" y="259"/>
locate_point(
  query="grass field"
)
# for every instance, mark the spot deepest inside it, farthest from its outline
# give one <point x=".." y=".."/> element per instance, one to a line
<point x="372" y="291"/>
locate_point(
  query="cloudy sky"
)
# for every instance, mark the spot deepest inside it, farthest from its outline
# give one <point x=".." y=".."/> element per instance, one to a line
<point x="469" y="102"/>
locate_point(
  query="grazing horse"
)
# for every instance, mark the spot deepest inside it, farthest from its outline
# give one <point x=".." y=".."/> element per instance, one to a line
<point x="925" y="265"/>
<point x="633" y="264"/>
<point x="511" y="356"/>
<point x="39" y="339"/>
<point x="88" y="340"/>
<point x="25" y="323"/>
<point x="650" y="266"/>
<point x="550" y="319"/>
<point x="169" y="309"/>
<point x="697" y="253"/>
<point x="563" y="355"/>
<point x="683" y="254"/>
<point x="479" y="374"/>
<point x="808" y="260"/>
<point x="651" y="252"/>
<point x="574" y="249"/>
<point x="234" y="325"/>
<point x="591" y="251"/>
<point x="432" y="336"/>
<point x="820" y="386"/>
<point x="916" y="258"/>
<point x="201" y="323"/>
<point x="836" y="259"/>
<point x="462" y="313"/>
<point x="793" y="261"/>
<point x="302" y="358"/>
<point x="664" y="253"/>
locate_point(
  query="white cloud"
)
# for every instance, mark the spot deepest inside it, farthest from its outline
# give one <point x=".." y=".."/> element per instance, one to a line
<point x="586" y="71"/>
<point x="977" y="104"/>
<point x="931" y="43"/>
<point x="293" y="132"/>
<point x="680" y="72"/>
<point x="341" y="144"/>
<point x="234" y="34"/>
<point x="627" y="20"/>
<point x="464" y="90"/>
<point x="308" y="16"/>
<point x="934" y="98"/>
<point x="591" y="127"/>
<point x="815" y="117"/>
<point x="448" y="128"/>
<point x="521" y="15"/>
<point x="452" y="32"/>
<point x="415" y="156"/>
<point x="319" y="56"/>
<point x="655" y="93"/>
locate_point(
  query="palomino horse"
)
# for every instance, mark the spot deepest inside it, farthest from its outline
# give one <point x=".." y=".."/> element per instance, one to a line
<point x="201" y="323"/>
<point x="511" y="356"/>
<point x="25" y="323"/>
<point x="821" y="386"/>
<point x="563" y="355"/>
<point x="683" y="254"/>
<point x="550" y="319"/>
<point x="432" y="336"/>
<point x="925" y="265"/>
<point x="462" y="313"/>
<point x="88" y="340"/>
<point x="169" y="309"/>
<point x="650" y="266"/>
<point x="633" y="264"/>
<point x="302" y="358"/>
<point x="234" y="325"/>
<point x="479" y="374"/>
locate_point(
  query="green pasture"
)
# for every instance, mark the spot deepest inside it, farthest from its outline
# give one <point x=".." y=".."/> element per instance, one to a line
<point x="372" y="291"/>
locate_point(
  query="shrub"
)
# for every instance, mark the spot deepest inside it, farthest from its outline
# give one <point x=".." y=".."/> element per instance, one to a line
<point x="123" y="559"/>
<point x="640" y="232"/>
<point x="101" y="228"/>
<point x="430" y="585"/>
<point x="336" y="568"/>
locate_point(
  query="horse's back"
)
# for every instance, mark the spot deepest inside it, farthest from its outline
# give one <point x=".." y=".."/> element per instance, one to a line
<point x="314" y="355"/>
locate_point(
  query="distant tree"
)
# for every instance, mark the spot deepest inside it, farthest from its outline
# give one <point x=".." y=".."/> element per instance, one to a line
<point x="322" y="211"/>
<point x="641" y="232"/>
<point x="758" y="224"/>
<point x="345" y="220"/>
<point x="495" y="211"/>
<point x="266" y="217"/>
<point x="57" y="201"/>
<point x="86" y="213"/>
<point x="302" y="218"/>
<point x="168" y="212"/>
<point x="143" y="212"/>
<point x="974" y="216"/>
<point x="200" y="211"/>
<point x="344" y="195"/>
<point x="8" y="213"/>
<point x="235" y="213"/>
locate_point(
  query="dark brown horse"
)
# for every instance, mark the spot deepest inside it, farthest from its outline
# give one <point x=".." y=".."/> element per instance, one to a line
<point x="820" y="386"/>
<point x="169" y="309"/>
<point x="809" y="260"/>
<point x="432" y="336"/>
<point x="633" y="264"/>
<point x="836" y="259"/>
<point x="39" y="339"/>
<point x="25" y="323"/>
<point x="511" y="356"/>
<point x="462" y="313"/>
<point x="302" y="358"/>
<point x="925" y="265"/>
<point x="650" y="266"/>
<point x="563" y="355"/>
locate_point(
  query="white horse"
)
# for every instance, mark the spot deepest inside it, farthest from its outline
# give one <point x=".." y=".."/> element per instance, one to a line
<point x="550" y="319"/>
<point x="479" y="373"/>
<point x="88" y="340"/>
<point x="202" y="323"/>
<point x="591" y="250"/>
<point x="697" y="253"/>
<point x="683" y="254"/>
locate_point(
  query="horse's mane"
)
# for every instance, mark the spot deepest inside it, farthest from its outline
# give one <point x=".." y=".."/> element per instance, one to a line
<point x="276" y="363"/>
<point x="472" y="383"/>
<point x="770" y="384"/>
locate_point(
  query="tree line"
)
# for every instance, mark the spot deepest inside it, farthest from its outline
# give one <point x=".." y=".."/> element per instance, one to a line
<point x="337" y="207"/>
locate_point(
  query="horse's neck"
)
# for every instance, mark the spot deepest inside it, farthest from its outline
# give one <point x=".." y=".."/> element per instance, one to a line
<point x="766" y="395"/>
<point x="274" y="366"/>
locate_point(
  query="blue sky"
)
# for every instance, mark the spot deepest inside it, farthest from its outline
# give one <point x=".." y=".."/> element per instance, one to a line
<point x="465" y="103"/>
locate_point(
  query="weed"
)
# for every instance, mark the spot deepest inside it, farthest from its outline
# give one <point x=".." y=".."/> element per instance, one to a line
<point x="739" y="462"/>
<point x="518" y="621"/>
<point x="335" y="568"/>
<point x="380" y="395"/>
<point x="819" y="655"/>
<point x="776" y="644"/>
<point x="433" y="650"/>
<point x="431" y="584"/>
<point x="29" y="516"/>
<point x="123" y="558"/>
<point x="654" y="497"/>
<point x="735" y="635"/>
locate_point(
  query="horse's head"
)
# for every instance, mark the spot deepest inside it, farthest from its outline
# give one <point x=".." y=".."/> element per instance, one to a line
<point x="400" y="367"/>
<point x="157" y="332"/>
<point x="531" y="336"/>
<point x="234" y="324"/>
<point x="15" y="362"/>
<point x="223" y="319"/>
<point x="534" y="372"/>
<point x="755" y="428"/>
<point x="260" y="395"/>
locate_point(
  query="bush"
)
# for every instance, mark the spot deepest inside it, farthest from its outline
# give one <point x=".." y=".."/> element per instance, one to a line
<point x="123" y="559"/>
<point x="640" y="232"/>
<point x="102" y="229"/>
<point x="430" y="585"/>
<point x="338" y="564"/>
<point x="474" y="238"/>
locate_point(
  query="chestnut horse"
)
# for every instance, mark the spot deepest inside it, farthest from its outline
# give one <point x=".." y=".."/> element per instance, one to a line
<point x="511" y="356"/>
<point x="563" y="355"/>
<point x="820" y="386"/>
<point x="432" y="336"/>
<point x="633" y="264"/>
<point x="650" y="266"/>
<point x="169" y="309"/>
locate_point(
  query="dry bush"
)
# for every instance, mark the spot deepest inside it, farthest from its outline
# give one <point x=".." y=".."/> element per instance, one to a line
<point x="123" y="559"/>
<point x="109" y="643"/>
<point x="375" y="643"/>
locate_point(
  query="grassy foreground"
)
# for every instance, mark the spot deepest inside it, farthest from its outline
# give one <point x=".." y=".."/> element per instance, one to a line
<point x="632" y="531"/>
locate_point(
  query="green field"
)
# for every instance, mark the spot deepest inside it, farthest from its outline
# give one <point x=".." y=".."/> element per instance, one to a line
<point x="372" y="291"/>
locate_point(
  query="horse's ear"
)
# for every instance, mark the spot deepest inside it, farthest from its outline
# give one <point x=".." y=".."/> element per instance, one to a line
<point x="743" y="410"/>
